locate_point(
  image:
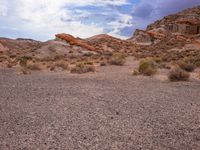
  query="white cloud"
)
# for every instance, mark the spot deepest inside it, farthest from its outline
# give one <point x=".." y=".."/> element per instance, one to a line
<point x="123" y="21"/>
<point x="3" y="8"/>
<point x="48" y="17"/>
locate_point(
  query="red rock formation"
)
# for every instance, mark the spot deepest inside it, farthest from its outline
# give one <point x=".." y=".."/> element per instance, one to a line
<point x="156" y="35"/>
<point x="75" y="41"/>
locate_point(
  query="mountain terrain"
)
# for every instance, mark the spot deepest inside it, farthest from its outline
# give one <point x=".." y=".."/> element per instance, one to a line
<point x="173" y="38"/>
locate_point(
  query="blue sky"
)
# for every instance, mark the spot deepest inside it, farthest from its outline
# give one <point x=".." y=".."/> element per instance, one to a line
<point x="42" y="19"/>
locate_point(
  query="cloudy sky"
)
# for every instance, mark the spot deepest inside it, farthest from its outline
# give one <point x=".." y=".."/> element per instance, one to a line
<point x="41" y="19"/>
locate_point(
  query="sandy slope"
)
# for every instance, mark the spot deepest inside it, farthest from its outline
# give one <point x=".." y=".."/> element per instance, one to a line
<point x="109" y="110"/>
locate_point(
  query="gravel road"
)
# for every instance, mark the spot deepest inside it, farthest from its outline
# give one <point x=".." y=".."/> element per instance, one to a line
<point x="107" y="110"/>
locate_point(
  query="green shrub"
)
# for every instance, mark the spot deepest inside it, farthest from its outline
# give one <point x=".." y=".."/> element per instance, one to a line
<point x="117" y="59"/>
<point x="178" y="74"/>
<point x="147" y="67"/>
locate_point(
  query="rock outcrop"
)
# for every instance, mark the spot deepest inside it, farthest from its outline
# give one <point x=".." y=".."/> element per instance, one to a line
<point x="186" y="23"/>
<point x="74" y="41"/>
<point x="104" y="43"/>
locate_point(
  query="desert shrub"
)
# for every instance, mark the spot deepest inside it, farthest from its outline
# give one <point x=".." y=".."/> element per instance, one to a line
<point x="195" y="60"/>
<point x="117" y="59"/>
<point x="62" y="64"/>
<point x="199" y="75"/>
<point x="25" y="71"/>
<point x="147" y="67"/>
<point x="52" y="68"/>
<point x="33" y="66"/>
<point x="23" y="61"/>
<point x="9" y="65"/>
<point x="103" y="63"/>
<point x="178" y="74"/>
<point x="88" y="54"/>
<point x="89" y="63"/>
<point x="187" y="66"/>
<point x="135" y="73"/>
<point x="82" y="68"/>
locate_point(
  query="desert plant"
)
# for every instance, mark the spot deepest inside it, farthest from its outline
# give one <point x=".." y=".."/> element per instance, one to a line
<point x="135" y="73"/>
<point x="89" y="63"/>
<point x="82" y="68"/>
<point x="52" y="68"/>
<point x="62" y="64"/>
<point x="147" y="67"/>
<point x="117" y="59"/>
<point x="23" y="61"/>
<point x="195" y="60"/>
<point x="103" y="63"/>
<point x="25" y="71"/>
<point x="9" y="65"/>
<point x="199" y="75"/>
<point x="178" y="74"/>
<point x="187" y="66"/>
<point x="33" y="66"/>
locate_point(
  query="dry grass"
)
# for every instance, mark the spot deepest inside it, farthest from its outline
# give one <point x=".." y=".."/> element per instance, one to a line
<point x="147" y="67"/>
<point x="103" y="63"/>
<point x="23" y="61"/>
<point x="89" y="63"/>
<point x="25" y="71"/>
<point x="81" y="68"/>
<point x="187" y="66"/>
<point x="9" y="65"/>
<point x="33" y="66"/>
<point x="62" y="64"/>
<point x="178" y="74"/>
<point x="135" y="73"/>
<point x="117" y="59"/>
<point x="52" y="68"/>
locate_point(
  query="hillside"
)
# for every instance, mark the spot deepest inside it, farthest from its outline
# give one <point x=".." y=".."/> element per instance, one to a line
<point x="173" y="38"/>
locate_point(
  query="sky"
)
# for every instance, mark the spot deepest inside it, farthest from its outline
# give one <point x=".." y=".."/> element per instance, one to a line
<point x="42" y="19"/>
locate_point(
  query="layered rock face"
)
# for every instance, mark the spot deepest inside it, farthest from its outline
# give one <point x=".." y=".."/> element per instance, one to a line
<point x="175" y="37"/>
<point x="185" y="23"/>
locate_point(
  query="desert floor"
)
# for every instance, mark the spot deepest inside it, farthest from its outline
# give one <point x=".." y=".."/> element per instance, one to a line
<point x="106" y="110"/>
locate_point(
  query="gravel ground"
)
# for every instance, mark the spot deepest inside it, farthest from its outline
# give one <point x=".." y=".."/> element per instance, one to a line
<point x="107" y="110"/>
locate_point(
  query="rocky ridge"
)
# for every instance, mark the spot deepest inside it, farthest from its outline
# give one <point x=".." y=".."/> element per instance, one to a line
<point x="172" y="38"/>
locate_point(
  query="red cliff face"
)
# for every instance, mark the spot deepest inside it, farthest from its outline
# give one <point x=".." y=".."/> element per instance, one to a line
<point x="74" y="41"/>
<point x="186" y="23"/>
